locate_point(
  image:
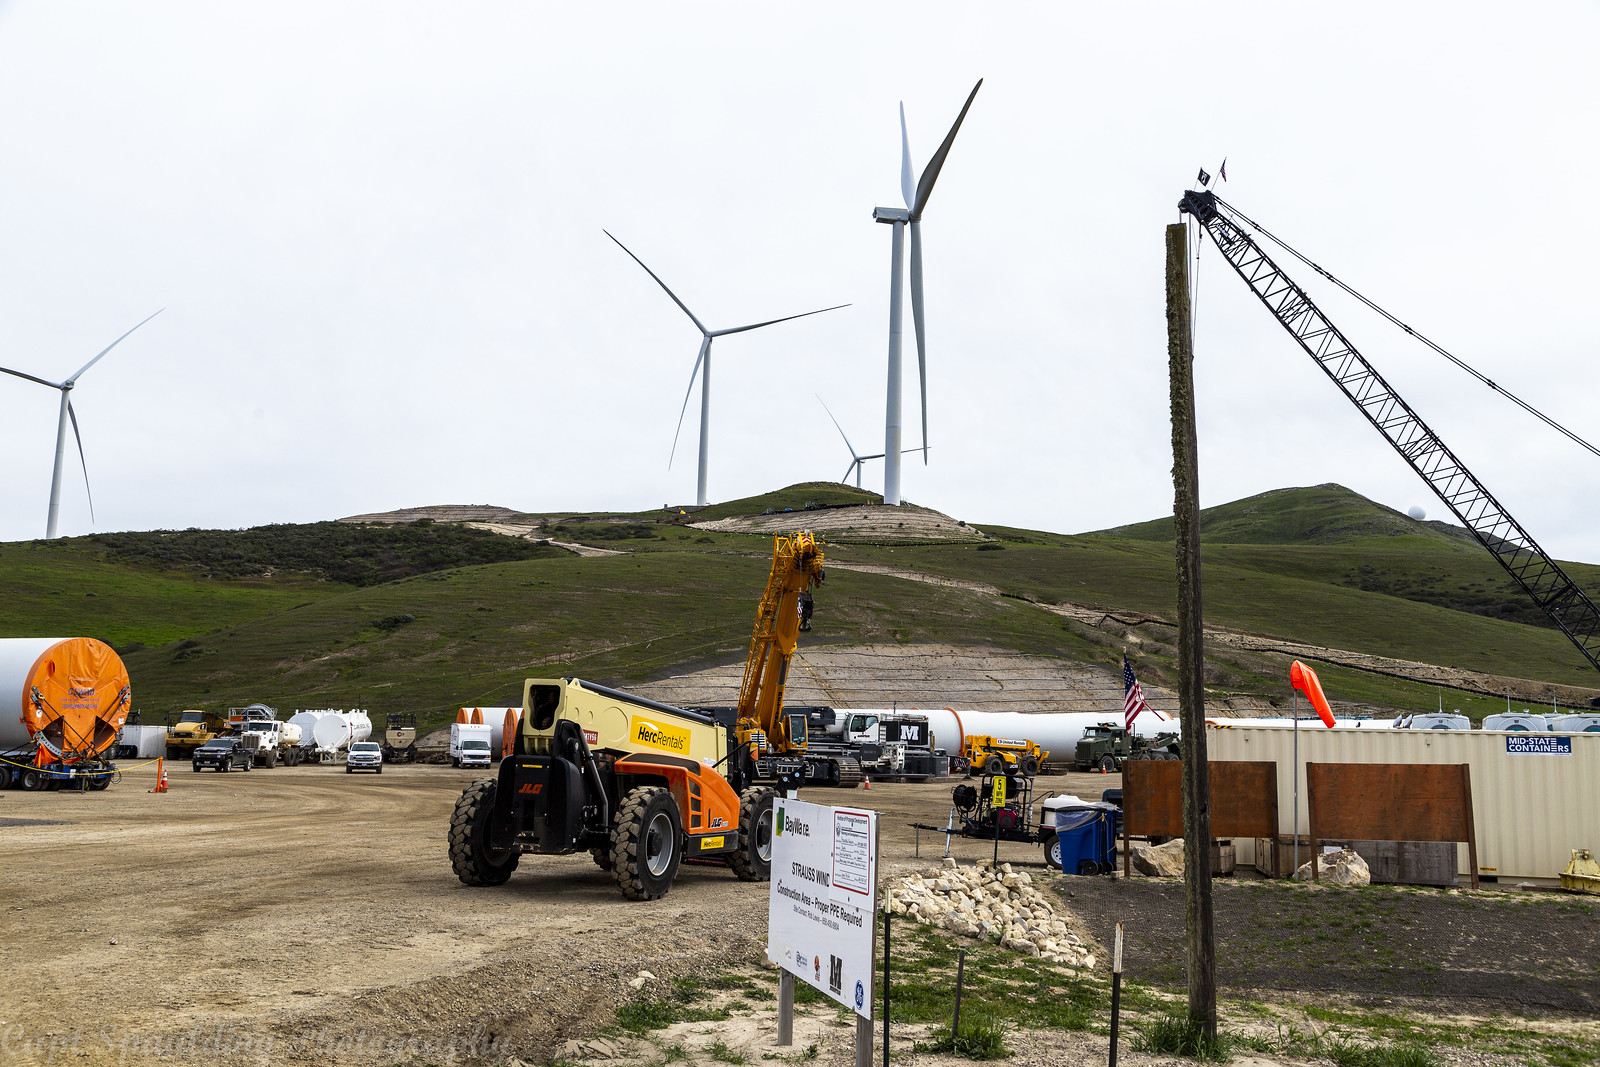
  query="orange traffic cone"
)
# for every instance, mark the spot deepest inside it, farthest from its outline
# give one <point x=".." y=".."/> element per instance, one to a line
<point x="161" y="776"/>
<point x="866" y="783"/>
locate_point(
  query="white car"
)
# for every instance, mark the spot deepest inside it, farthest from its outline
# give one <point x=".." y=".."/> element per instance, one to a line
<point x="364" y="756"/>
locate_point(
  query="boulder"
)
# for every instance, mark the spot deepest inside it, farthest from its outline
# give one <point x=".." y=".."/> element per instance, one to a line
<point x="1343" y="867"/>
<point x="1159" y="861"/>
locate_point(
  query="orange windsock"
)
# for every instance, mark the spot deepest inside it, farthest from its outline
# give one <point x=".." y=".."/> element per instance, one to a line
<point x="477" y="716"/>
<point x="461" y="715"/>
<point x="508" y="735"/>
<point x="1305" y="679"/>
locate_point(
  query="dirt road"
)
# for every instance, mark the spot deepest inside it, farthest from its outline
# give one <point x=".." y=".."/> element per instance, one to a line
<point x="303" y="915"/>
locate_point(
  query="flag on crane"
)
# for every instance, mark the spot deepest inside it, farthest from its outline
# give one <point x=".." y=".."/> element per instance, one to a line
<point x="1222" y="171"/>
<point x="1204" y="179"/>
<point x="1133" y="701"/>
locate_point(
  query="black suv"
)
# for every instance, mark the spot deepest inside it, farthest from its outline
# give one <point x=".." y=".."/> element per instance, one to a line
<point x="223" y="753"/>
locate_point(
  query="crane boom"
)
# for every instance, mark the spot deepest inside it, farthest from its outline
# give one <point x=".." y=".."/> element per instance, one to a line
<point x="796" y="566"/>
<point x="1466" y="497"/>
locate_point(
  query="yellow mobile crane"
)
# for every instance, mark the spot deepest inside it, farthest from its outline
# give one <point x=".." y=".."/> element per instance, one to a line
<point x="776" y="742"/>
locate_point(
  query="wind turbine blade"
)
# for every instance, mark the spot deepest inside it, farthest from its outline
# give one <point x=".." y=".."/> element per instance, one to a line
<point x="661" y="283"/>
<point x="770" y="322"/>
<point x="880" y="455"/>
<point x="847" y="470"/>
<point x="110" y="346"/>
<point x="705" y="346"/>
<point x="31" y="378"/>
<point x="930" y="173"/>
<point x="906" y="191"/>
<point x="836" y="425"/>
<point x="79" y="437"/>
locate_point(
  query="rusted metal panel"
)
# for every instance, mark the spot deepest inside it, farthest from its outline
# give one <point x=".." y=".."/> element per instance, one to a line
<point x="1244" y="798"/>
<point x="1391" y="802"/>
<point x="1529" y="809"/>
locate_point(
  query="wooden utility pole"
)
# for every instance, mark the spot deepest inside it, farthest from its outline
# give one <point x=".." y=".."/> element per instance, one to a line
<point x="1201" y="955"/>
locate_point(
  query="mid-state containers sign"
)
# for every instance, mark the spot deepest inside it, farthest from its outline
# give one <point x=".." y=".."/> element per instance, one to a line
<point x="822" y="897"/>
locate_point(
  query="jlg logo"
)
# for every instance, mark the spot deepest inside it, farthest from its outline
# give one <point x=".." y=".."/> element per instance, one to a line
<point x="531" y="788"/>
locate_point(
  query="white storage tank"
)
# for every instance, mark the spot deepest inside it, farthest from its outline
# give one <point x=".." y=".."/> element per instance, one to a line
<point x="1434" y="720"/>
<point x="1576" y="724"/>
<point x="340" y="728"/>
<point x="305" y="721"/>
<point x="1522" y="721"/>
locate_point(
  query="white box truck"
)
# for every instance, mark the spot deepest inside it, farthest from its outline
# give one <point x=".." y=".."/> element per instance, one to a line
<point x="469" y="744"/>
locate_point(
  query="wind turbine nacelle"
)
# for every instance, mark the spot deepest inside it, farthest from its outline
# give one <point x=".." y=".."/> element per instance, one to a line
<point x="891" y="214"/>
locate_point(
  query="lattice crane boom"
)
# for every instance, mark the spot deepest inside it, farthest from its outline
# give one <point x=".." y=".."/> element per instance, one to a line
<point x="1460" y="490"/>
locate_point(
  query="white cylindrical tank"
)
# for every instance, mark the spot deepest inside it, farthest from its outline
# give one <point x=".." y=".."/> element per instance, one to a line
<point x="1516" y="721"/>
<point x="305" y="721"/>
<point x="1576" y="724"/>
<point x="1435" y="721"/>
<point x="289" y="735"/>
<point x="1058" y="732"/>
<point x="340" y="728"/>
<point x="84" y="688"/>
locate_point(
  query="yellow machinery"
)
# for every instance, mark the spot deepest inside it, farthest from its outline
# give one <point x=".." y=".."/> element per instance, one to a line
<point x="193" y="729"/>
<point x="774" y="741"/>
<point x="1003" y="755"/>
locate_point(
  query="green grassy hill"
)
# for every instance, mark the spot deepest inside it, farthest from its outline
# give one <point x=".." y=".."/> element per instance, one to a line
<point x="425" y="617"/>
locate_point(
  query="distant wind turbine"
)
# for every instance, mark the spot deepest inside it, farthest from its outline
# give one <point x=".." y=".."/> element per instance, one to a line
<point x="66" y="388"/>
<point x="916" y="201"/>
<point x="856" y="461"/>
<point x="702" y="367"/>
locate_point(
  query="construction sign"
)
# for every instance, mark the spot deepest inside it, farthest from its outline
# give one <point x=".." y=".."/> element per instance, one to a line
<point x="822" y="898"/>
<point x="999" y="791"/>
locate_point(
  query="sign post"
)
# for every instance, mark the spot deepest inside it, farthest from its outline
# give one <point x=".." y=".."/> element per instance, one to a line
<point x="821" y="903"/>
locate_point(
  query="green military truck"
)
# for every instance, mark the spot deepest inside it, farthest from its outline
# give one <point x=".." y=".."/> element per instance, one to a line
<point x="1107" y="748"/>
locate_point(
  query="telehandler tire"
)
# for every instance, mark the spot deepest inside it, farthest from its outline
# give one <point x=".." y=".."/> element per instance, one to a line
<point x="602" y="858"/>
<point x="753" y="861"/>
<point x="646" y="843"/>
<point x="475" y="863"/>
<point x="994" y="765"/>
<point x="1030" y="765"/>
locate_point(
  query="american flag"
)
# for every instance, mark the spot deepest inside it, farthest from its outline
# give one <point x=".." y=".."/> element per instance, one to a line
<point x="1133" y="701"/>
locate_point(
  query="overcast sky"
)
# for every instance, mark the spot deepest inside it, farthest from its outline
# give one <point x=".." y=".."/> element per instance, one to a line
<point x="376" y="231"/>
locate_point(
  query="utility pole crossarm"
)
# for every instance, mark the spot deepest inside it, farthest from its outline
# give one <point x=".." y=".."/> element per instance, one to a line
<point x="1466" y="497"/>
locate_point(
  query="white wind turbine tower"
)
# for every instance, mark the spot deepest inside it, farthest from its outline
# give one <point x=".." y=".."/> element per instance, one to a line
<point x="916" y="201"/>
<point x="857" y="461"/>
<point x="702" y="367"/>
<point x="66" y="388"/>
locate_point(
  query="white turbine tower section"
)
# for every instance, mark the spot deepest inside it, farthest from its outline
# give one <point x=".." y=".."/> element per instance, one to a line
<point x="702" y="367"/>
<point x="67" y="413"/>
<point x="916" y="201"/>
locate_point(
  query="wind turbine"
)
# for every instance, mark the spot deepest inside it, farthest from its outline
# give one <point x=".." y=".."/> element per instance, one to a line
<point x="857" y="461"/>
<point x="916" y="201"/>
<point x="66" y="388"/>
<point x="703" y="360"/>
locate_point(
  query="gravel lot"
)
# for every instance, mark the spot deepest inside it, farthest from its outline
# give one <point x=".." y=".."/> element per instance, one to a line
<point x="303" y="915"/>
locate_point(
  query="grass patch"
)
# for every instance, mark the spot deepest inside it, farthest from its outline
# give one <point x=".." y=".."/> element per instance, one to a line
<point x="723" y="1054"/>
<point x="1174" y="1035"/>
<point x="981" y="1039"/>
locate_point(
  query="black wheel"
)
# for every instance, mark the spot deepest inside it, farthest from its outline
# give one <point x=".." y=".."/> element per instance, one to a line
<point x="1108" y="764"/>
<point x="5" y="776"/>
<point x="272" y="760"/>
<point x="249" y="763"/>
<point x="1052" y="852"/>
<point x="994" y="765"/>
<point x="753" y="861"/>
<point x="474" y="861"/>
<point x="99" y="782"/>
<point x="349" y="769"/>
<point x="1030" y="765"/>
<point x="646" y="836"/>
<point x="32" y="780"/>
<point x="380" y="768"/>
<point x="601" y="857"/>
<point x="224" y="768"/>
<point x="197" y="768"/>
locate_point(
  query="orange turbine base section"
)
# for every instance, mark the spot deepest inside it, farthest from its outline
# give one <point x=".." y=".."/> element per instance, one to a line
<point x="74" y="699"/>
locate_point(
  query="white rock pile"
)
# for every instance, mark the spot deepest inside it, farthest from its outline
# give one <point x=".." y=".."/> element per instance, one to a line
<point x="998" y="904"/>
